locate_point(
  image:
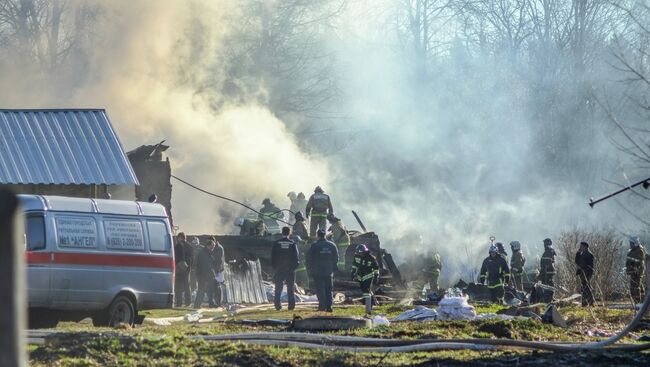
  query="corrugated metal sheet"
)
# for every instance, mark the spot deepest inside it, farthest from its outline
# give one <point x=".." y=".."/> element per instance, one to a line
<point x="61" y="147"/>
<point x="244" y="284"/>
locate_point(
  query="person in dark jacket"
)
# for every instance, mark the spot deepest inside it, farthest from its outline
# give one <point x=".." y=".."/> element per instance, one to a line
<point x="585" y="270"/>
<point x="495" y="272"/>
<point x="183" y="255"/>
<point x="284" y="261"/>
<point x="205" y="274"/>
<point x="219" y="263"/>
<point x="635" y="268"/>
<point x="322" y="259"/>
<point x="365" y="270"/>
<point x="547" y="264"/>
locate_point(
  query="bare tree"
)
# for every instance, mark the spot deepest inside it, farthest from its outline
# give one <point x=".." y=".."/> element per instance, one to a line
<point x="44" y="32"/>
<point x="608" y="282"/>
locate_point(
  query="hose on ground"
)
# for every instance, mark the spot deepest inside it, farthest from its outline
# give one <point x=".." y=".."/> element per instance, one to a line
<point x="351" y="343"/>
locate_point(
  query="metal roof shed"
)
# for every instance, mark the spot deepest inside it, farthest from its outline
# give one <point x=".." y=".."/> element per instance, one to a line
<point x="49" y="148"/>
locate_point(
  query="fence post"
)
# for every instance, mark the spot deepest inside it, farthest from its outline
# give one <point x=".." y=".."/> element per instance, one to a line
<point x="12" y="283"/>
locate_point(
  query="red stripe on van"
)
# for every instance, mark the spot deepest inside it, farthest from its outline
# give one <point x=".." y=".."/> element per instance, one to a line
<point x="76" y="258"/>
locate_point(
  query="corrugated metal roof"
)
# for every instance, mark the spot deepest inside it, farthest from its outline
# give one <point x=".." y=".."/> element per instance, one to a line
<point x="71" y="146"/>
<point x="244" y="284"/>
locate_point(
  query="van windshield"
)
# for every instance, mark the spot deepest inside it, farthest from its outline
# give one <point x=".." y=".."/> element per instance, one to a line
<point x="35" y="232"/>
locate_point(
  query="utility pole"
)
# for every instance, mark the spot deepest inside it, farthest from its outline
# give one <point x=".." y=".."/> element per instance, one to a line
<point x="12" y="283"/>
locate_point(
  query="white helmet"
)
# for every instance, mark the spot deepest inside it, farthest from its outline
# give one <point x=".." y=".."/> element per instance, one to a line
<point x="634" y="240"/>
<point x="239" y="221"/>
<point x="195" y="241"/>
<point x="515" y="245"/>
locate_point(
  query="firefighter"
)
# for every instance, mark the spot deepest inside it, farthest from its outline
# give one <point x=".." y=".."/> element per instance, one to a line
<point x="517" y="263"/>
<point x="340" y="237"/>
<point x="635" y="268"/>
<point x="495" y="272"/>
<point x="300" y="230"/>
<point x="301" y="204"/>
<point x="547" y="264"/>
<point x="322" y="259"/>
<point x="365" y="270"/>
<point x="284" y="261"/>
<point x="205" y="274"/>
<point x="585" y="270"/>
<point x="183" y="256"/>
<point x="318" y="206"/>
<point x="250" y="227"/>
<point x="502" y="251"/>
<point x="269" y="214"/>
<point x="432" y="271"/>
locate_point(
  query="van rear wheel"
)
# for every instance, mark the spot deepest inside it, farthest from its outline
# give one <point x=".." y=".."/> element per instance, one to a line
<point x="121" y="311"/>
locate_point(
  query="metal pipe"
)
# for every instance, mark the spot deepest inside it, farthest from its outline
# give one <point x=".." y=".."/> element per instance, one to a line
<point x="645" y="183"/>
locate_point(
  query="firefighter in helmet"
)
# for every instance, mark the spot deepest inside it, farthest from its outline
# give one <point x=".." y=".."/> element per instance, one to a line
<point x="365" y="270"/>
<point x="495" y="273"/>
<point x="318" y="207"/>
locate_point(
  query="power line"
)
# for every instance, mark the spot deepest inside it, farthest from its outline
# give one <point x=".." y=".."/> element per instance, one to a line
<point x="232" y="200"/>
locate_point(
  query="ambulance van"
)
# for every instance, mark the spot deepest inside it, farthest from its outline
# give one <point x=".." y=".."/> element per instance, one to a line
<point x="103" y="259"/>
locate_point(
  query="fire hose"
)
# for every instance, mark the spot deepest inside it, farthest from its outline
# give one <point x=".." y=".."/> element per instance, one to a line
<point x="358" y="344"/>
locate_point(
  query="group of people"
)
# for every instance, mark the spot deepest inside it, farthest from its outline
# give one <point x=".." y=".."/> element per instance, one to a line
<point x="496" y="273"/>
<point x="199" y="268"/>
<point x="321" y="261"/>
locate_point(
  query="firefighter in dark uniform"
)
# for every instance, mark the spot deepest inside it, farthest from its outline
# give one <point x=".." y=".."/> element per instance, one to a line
<point x="270" y="214"/>
<point x="517" y="263"/>
<point x="322" y="259"/>
<point x="284" y="260"/>
<point x="495" y="272"/>
<point x="365" y="270"/>
<point x="547" y="264"/>
<point x="318" y="207"/>
<point x="585" y="270"/>
<point x="635" y="268"/>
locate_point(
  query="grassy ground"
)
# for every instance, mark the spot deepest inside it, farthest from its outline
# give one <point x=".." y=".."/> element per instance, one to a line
<point x="152" y="345"/>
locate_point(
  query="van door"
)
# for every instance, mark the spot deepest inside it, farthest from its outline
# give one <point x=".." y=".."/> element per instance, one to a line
<point x="39" y="260"/>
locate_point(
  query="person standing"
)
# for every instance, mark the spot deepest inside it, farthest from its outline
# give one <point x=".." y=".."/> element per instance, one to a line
<point x="219" y="263"/>
<point x="365" y="270"/>
<point x="318" y="206"/>
<point x="502" y="251"/>
<point x="585" y="270"/>
<point x="340" y="237"/>
<point x="195" y="245"/>
<point x="301" y="204"/>
<point x="432" y="271"/>
<point x="284" y="261"/>
<point x="269" y="214"/>
<point x="300" y="230"/>
<point x="183" y="256"/>
<point x="322" y="259"/>
<point x="517" y="263"/>
<point x="635" y="268"/>
<point x="495" y="273"/>
<point x="547" y="264"/>
<point x="205" y="274"/>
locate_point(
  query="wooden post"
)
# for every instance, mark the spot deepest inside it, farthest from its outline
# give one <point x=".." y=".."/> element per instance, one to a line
<point x="12" y="283"/>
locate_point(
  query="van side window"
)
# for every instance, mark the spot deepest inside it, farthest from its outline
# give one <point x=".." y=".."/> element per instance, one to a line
<point x="35" y="232"/>
<point x="158" y="238"/>
<point x="124" y="234"/>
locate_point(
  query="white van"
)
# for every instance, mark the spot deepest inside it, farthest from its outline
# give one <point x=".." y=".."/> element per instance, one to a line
<point x="104" y="259"/>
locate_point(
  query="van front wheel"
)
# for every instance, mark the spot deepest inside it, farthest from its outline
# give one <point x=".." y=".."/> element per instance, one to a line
<point x="121" y="311"/>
